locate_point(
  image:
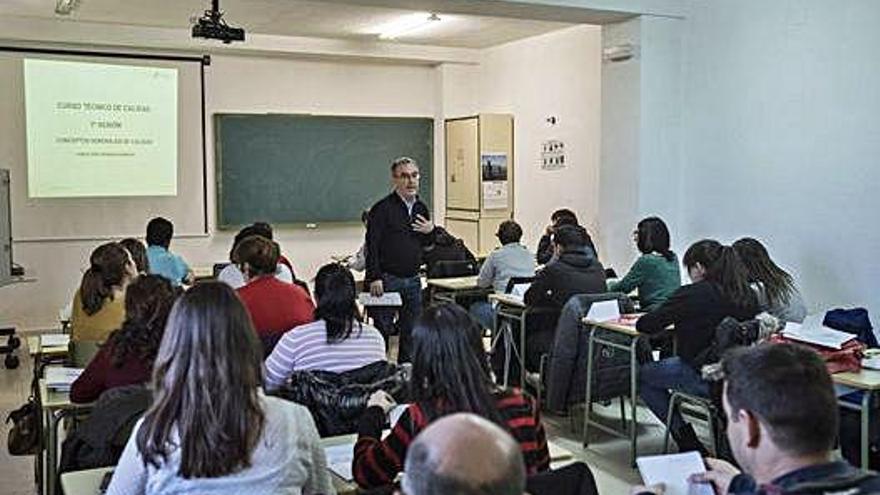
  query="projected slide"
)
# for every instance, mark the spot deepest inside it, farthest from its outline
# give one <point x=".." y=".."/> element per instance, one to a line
<point x="99" y="130"/>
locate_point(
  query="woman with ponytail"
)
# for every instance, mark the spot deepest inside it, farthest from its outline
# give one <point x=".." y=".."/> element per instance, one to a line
<point x="655" y="273"/>
<point x="720" y="289"/>
<point x="99" y="304"/>
<point x="127" y="357"/>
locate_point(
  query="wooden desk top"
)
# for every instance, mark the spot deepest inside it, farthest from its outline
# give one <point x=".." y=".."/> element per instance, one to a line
<point x="508" y="300"/>
<point x="863" y="380"/>
<point x="625" y="328"/>
<point x="35" y="347"/>
<point x="454" y="283"/>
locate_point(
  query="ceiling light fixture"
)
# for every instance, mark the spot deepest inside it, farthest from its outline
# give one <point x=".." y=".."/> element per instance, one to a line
<point x="407" y="25"/>
<point x="65" y="7"/>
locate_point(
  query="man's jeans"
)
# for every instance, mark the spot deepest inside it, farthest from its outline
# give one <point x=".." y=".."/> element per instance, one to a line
<point x="657" y="378"/>
<point x="484" y="313"/>
<point x="410" y="289"/>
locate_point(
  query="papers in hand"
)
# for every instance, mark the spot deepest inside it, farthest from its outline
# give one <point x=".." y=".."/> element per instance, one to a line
<point x="604" y="311"/>
<point x="673" y="471"/>
<point x="817" y="334"/>
<point x="54" y="340"/>
<point x="60" y="378"/>
<point x="387" y="299"/>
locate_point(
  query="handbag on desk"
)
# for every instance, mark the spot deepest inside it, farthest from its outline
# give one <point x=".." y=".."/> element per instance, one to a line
<point x="24" y="435"/>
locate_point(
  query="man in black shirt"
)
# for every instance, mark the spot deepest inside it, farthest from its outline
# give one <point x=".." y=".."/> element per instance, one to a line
<point x="398" y="228"/>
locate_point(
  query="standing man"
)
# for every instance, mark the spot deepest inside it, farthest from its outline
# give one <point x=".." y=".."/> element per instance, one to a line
<point x="399" y="226"/>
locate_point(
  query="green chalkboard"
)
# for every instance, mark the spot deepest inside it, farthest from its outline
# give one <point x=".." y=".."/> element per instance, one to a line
<point x="295" y="169"/>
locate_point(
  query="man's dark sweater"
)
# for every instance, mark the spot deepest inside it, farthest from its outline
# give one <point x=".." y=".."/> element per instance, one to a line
<point x="393" y="247"/>
<point x="575" y="272"/>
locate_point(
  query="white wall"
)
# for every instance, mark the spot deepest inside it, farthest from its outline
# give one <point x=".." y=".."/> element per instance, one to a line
<point x="243" y="84"/>
<point x="557" y="74"/>
<point x="783" y="139"/>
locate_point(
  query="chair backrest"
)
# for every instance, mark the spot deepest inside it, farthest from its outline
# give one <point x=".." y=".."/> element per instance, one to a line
<point x="446" y="269"/>
<point x="514" y="281"/>
<point x="574" y="479"/>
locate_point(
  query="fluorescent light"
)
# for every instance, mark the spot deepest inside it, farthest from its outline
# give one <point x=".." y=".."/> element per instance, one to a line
<point x="407" y="25"/>
<point x="65" y="7"/>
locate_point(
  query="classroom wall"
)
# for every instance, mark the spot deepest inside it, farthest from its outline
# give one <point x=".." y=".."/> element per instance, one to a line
<point x="782" y="138"/>
<point x="557" y="74"/>
<point x="243" y="84"/>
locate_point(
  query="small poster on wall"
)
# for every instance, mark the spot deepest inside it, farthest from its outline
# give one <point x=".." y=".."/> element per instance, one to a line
<point x="552" y="155"/>
<point x="493" y="167"/>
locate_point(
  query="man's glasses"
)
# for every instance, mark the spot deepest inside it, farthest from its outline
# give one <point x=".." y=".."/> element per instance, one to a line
<point x="412" y="176"/>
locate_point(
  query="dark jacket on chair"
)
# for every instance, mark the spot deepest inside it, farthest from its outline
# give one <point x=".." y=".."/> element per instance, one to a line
<point x="337" y="400"/>
<point x="566" y="377"/>
<point x="100" y="439"/>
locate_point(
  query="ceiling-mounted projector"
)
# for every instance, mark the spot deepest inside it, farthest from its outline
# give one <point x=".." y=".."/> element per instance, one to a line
<point x="212" y="26"/>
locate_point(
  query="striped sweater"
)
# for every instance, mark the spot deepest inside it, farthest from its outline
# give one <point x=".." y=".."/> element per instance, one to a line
<point x="306" y="348"/>
<point x="377" y="462"/>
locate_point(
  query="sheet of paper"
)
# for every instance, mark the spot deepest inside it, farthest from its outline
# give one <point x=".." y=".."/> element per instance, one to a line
<point x="604" y="311"/>
<point x="54" y="340"/>
<point x="673" y="470"/>
<point x="339" y="459"/>
<point x="387" y="299"/>
<point x="395" y="413"/>
<point x="818" y="335"/>
<point x="60" y="378"/>
<point x="519" y="290"/>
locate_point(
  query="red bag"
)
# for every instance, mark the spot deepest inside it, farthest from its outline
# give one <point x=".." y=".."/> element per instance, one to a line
<point x="847" y="358"/>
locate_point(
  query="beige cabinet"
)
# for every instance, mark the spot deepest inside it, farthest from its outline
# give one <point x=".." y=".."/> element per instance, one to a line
<point x="479" y="178"/>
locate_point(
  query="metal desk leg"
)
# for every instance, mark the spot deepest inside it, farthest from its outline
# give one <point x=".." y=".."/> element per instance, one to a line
<point x="866" y="422"/>
<point x="634" y="398"/>
<point x="588" y="397"/>
<point x="522" y="348"/>
<point x="52" y="452"/>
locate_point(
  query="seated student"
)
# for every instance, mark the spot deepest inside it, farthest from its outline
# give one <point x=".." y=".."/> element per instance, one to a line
<point x="445" y="247"/>
<point x="574" y="271"/>
<point x="337" y="341"/>
<point x="559" y="218"/>
<point x="275" y="306"/>
<point x="655" y="274"/>
<point x="720" y="289"/>
<point x="210" y="428"/>
<point x="512" y="259"/>
<point x="127" y="357"/>
<point x="777" y="293"/>
<point x="161" y="260"/>
<point x="782" y="427"/>
<point x="450" y="374"/>
<point x="232" y="276"/>
<point x="99" y="304"/>
<point x="358" y="261"/>
<point x="138" y="253"/>
<point x="464" y="454"/>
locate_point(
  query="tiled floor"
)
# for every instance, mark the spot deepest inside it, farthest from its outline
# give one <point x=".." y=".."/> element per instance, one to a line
<point x="607" y="456"/>
<point x="16" y="473"/>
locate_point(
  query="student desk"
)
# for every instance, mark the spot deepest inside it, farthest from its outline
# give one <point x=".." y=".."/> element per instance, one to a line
<point x="868" y="382"/>
<point x="513" y="308"/>
<point x="452" y="288"/>
<point x="596" y="328"/>
<point x="55" y="406"/>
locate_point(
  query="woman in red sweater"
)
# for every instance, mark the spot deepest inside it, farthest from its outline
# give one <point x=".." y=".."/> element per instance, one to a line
<point x="275" y="306"/>
<point x="127" y="357"/>
<point x="450" y="373"/>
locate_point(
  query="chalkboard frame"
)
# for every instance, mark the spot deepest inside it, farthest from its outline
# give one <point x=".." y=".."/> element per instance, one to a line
<point x="241" y="136"/>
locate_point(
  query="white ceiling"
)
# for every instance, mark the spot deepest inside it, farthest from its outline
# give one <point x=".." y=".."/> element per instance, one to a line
<point x="294" y="18"/>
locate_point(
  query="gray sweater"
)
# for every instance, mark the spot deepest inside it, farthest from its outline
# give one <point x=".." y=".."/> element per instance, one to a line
<point x="288" y="459"/>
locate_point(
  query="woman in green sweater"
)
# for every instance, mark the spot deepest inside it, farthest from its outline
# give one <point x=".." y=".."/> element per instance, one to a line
<point x="655" y="274"/>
